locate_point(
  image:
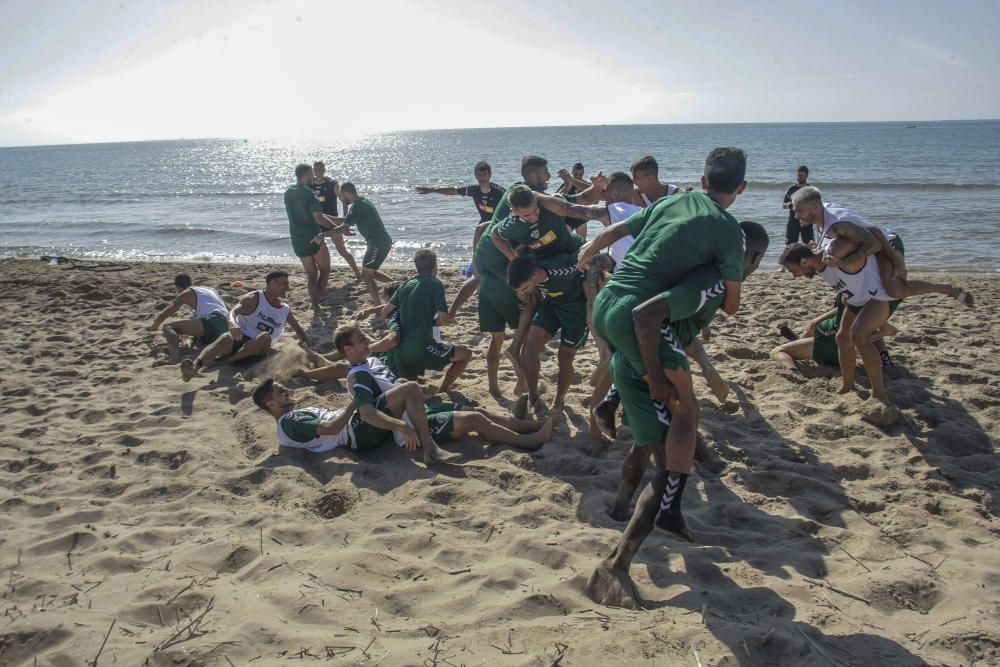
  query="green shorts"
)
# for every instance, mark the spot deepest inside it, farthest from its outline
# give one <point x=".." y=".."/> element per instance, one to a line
<point x="499" y="307"/>
<point x="376" y="252"/>
<point x="648" y="418"/>
<point x="213" y="326"/>
<point x="305" y="249"/>
<point x="567" y="316"/>
<point x="441" y="420"/>
<point x="413" y="358"/>
<point x="613" y="322"/>
<point x="893" y="305"/>
<point x="489" y="260"/>
<point x="825" y="343"/>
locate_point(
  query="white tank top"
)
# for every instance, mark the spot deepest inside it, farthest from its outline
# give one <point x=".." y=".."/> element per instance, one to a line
<point x="857" y="288"/>
<point x="321" y="443"/>
<point x="208" y="301"/>
<point x="266" y="318"/>
<point x="671" y="189"/>
<point x="841" y="214"/>
<point x="618" y="212"/>
<point x="384" y="377"/>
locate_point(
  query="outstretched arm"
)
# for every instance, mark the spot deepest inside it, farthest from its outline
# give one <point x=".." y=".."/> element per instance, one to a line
<point x="185" y="298"/>
<point x="562" y="207"/>
<point x="423" y="190"/>
<point x="297" y="328"/>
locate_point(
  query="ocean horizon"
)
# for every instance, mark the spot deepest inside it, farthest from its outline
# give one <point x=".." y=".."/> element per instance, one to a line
<point x="936" y="183"/>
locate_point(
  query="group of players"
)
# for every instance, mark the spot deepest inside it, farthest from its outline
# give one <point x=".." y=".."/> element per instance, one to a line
<point x="674" y="258"/>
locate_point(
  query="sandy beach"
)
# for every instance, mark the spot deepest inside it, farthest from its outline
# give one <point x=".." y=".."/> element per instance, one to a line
<point x="151" y="521"/>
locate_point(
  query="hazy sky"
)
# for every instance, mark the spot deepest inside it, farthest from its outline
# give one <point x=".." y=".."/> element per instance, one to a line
<point x="77" y="71"/>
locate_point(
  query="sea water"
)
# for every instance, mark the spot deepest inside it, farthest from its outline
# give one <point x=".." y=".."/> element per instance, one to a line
<point x="937" y="184"/>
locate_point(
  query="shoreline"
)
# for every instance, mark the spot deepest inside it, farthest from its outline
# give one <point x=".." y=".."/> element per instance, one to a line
<point x="444" y="265"/>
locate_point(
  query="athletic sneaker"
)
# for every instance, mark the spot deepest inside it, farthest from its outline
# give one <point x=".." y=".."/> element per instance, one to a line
<point x="787" y="332"/>
<point x="886" y="359"/>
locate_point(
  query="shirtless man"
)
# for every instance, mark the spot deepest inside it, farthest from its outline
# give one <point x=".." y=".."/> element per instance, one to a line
<point x="371" y="386"/>
<point x="256" y="323"/>
<point x="209" y="321"/>
<point x="832" y="221"/>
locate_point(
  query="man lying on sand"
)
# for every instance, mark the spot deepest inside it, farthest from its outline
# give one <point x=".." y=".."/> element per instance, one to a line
<point x="370" y="384"/>
<point x="210" y="316"/>
<point x="255" y="325"/>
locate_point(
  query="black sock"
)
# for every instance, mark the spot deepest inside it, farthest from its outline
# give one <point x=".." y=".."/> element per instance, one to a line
<point x="670" y="501"/>
<point x="612" y="396"/>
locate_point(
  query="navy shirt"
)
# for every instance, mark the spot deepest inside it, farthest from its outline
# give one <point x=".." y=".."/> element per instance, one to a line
<point x="485" y="203"/>
<point x="324" y="193"/>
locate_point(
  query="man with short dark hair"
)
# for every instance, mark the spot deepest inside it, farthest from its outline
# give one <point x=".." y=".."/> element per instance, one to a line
<point x="209" y="321"/>
<point x="306" y="221"/>
<point x="648" y="189"/>
<point x="327" y="191"/>
<point x="487" y="196"/>
<point x="256" y="323"/>
<point x="421" y="307"/>
<point x="363" y="215"/>
<point x="794" y="229"/>
<point x="573" y="184"/>
<point x="385" y="403"/>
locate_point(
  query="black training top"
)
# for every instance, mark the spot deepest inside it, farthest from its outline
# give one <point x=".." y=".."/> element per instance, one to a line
<point x="324" y="193"/>
<point x="788" y="198"/>
<point x="485" y="203"/>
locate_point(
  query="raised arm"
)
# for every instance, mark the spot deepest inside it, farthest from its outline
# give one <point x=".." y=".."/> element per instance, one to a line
<point x="185" y="298"/>
<point x="338" y="423"/>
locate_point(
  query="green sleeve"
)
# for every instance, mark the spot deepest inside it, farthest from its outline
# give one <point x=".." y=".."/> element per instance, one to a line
<point x="502" y="210"/>
<point x="731" y="250"/>
<point x="301" y="426"/>
<point x="394" y="299"/>
<point x="570" y="198"/>
<point x="365" y="389"/>
<point x="356" y="214"/>
<point x="636" y="222"/>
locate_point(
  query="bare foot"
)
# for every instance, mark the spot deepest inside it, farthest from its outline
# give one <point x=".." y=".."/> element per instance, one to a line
<point x="434" y="454"/>
<point x="620" y="513"/>
<point x="598" y="444"/>
<point x="541" y="411"/>
<point x="549" y="427"/>
<point x="495" y="389"/>
<point x="188" y="370"/>
<point x="845" y="389"/>
<point x="719" y="387"/>
<point x="612" y="588"/>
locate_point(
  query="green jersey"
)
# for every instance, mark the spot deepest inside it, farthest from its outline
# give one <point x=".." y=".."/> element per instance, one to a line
<point x="673" y="236"/>
<point x="564" y="282"/>
<point x="546" y="236"/>
<point x="418" y="300"/>
<point x="365" y="217"/>
<point x="300" y="428"/>
<point x="300" y="204"/>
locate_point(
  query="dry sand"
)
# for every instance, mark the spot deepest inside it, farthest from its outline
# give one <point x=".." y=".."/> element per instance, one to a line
<point x="159" y="515"/>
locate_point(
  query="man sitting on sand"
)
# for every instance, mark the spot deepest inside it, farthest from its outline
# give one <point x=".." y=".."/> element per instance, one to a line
<point x="819" y="343"/>
<point x="372" y="386"/>
<point x="363" y="215"/>
<point x="256" y="323"/>
<point x="209" y="321"/>
<point x="420" y="306"/>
